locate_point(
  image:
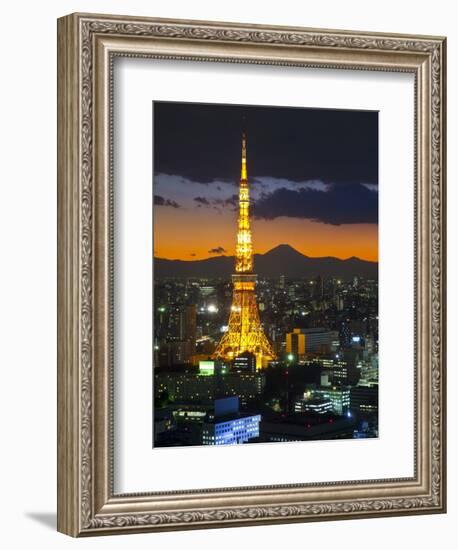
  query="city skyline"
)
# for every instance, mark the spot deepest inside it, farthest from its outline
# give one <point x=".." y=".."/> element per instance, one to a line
<point x="316" y="190"/>
<point x="258" y="348"/>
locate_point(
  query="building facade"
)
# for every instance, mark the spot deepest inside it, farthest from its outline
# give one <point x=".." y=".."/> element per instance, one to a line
<point x="301" y="342"/>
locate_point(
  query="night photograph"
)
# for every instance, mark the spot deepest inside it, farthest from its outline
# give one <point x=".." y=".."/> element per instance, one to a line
<point x="265" y="274"/>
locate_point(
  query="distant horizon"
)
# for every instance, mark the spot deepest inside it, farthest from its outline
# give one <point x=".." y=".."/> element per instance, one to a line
<point x="215" y="256"/>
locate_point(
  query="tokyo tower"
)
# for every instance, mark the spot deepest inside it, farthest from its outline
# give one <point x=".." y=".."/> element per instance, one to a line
<point x="245" y="332"/>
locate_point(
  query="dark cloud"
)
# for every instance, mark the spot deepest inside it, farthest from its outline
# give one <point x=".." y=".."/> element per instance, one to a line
<point x="230" y="201"/>
<point x="201" y="142"/>
<point x="217" y="203"/>
<point x="339" y="204"/>
<point x="202" y="200"/>
<point x="193" y="254"/>
<point x="161" y="201"/>
<point x="217" y="250"/>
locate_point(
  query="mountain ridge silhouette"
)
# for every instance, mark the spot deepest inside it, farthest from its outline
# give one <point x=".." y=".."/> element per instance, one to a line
<point x="280" y="260"/>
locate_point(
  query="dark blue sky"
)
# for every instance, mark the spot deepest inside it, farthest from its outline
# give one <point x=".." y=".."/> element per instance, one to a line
<point x="200" y="141"/>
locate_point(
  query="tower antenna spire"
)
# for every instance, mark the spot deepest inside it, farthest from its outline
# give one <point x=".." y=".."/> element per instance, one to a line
<point x="244" y="248"/>
<point x="244" y="175"/>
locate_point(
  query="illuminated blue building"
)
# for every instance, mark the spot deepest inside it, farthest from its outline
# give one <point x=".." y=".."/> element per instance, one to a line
<point x="227" y="426"/>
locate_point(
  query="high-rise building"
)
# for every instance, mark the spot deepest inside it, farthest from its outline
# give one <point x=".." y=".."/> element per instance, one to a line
<point x="344" y="334"/>
<point x="364" y="399"/>
<point x="339" y="302"/>
<point x="319" y="288"/>
<point x="188" y="327"/>
<point x="292" y="291"/>
<point x="310" y="340"/>
<point x="338" y="396"/>
<point x="229" y="427"/>
<point x="295" y="343"/>
<point x="172" y="353"/>
<point x="316" y="405"/>
<point x="212" y="381"/>
<point x="245" y="332"/>
<point x="245" y="362"/>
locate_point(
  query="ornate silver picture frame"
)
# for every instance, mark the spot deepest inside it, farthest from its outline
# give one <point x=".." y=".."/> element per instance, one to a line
<point x="87" y="46"/>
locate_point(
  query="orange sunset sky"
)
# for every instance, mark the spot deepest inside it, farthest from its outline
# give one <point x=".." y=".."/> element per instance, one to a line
<point x="207" y="230"/>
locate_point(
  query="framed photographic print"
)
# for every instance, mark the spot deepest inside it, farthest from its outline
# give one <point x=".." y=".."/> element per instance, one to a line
<point x="251" y="281"/>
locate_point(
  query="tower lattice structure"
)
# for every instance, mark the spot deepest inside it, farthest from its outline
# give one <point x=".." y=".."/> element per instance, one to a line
<point x="245" y="332"/>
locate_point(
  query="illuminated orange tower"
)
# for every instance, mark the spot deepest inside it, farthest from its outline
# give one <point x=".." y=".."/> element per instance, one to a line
<point x="245" y="332"/>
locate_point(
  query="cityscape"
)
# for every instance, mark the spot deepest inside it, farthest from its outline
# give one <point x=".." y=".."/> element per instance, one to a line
<point x="262" y="345"/>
